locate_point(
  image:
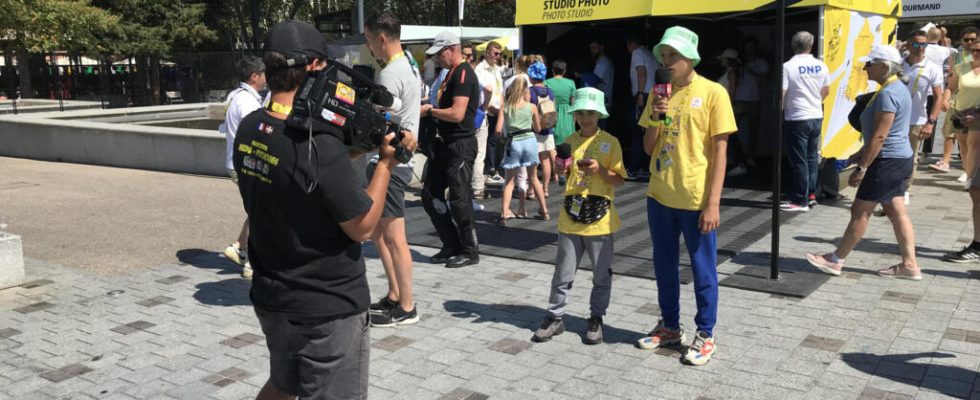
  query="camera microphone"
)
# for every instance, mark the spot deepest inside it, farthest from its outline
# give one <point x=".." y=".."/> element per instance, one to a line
<point x="662" y="86"/>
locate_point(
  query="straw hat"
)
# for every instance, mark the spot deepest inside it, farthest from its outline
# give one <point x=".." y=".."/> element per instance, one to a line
<point x="590" y="99"/>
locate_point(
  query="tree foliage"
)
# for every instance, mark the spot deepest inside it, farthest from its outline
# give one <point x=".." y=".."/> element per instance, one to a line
<point x="47" y="25"/>
<point x="156" y="27"/>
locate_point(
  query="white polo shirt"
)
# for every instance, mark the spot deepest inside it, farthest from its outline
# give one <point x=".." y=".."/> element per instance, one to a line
<point x="642" y="56"/>
<point x="803" y="78"/>
<point x="240" y="102"/>
<point x="923" y="77"/>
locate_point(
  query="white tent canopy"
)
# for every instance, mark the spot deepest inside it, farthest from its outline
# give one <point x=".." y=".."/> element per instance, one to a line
<point x="422" y="33"/>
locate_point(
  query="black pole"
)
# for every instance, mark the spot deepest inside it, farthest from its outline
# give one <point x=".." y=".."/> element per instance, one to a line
<point x="777" y="160"/>
<point x="255" y="26"/>
<point x="57" y="77"/>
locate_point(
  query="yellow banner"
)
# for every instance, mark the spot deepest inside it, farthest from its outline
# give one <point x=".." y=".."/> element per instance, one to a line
<point x="883" y="7"/>
<point x="530" y="12"/>
<point x="848" y="36"/>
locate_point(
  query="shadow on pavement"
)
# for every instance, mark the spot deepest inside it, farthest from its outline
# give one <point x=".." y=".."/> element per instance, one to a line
<point x="205" y="259"/>
<point x="877" y="246"/>
<point x="900" y="368"/>
<point x="226" y="292"/>
<point x="530" y="317"/>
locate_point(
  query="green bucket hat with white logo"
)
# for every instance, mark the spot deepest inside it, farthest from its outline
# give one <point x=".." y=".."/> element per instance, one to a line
<point x="590" y="99"/>
<point x="681" y="39"/>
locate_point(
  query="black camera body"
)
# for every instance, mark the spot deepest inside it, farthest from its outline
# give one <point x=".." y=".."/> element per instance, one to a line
<point x="348" y="109"/>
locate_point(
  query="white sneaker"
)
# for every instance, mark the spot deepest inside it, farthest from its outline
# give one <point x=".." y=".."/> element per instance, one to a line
<point x="247" y="270"/>
<point x="793" y="207"/>
<point x="236" y="255"/>
<point x="962" y="178"/>
<point x="477" y="206"/>
<point x="737" y="171"/>
<point x="967" y="183"/>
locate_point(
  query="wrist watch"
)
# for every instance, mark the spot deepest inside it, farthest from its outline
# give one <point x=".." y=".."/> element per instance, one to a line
<point x="861" y="169"/>
<point x="930" y="122"/>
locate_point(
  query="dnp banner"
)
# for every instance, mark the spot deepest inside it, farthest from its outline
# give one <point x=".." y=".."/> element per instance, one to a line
<point x="848" y="36"/>
<point x="532" y="12"/>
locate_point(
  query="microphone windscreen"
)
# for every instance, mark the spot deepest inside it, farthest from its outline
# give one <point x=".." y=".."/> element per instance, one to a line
<point x="564" y="150"/>
<point x="662" y="76"/>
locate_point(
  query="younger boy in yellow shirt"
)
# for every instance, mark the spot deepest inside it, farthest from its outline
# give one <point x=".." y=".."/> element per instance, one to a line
<point x="588" y="217"/>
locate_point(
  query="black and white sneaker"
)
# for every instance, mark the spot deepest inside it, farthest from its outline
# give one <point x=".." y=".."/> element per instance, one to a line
<point x="395" y="316"/>
<point x="383" y="305"/>
<point x="593" y="335"/>
<point x="967" y="255"/>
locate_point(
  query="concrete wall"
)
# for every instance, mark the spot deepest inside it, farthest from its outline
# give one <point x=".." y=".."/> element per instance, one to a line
<point x="42" y="137"/>
<point x="28" y="106"/>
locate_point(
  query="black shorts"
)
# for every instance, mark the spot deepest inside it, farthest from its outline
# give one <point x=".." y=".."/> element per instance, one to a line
<point x="317" y="358"/>
<point x="885" y="180"/>
<point x="395" y="199"/>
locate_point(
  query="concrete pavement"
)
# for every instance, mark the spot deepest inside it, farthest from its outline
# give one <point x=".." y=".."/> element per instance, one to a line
<point x="181" y="326"/>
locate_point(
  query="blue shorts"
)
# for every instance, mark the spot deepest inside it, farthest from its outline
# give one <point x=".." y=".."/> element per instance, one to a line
<point x="885" y="180"/>
<point x="521" y="153"/>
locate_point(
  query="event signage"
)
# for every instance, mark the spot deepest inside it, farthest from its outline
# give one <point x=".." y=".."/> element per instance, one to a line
<point x="939" y="8"/>
<point x="531" y="12"/>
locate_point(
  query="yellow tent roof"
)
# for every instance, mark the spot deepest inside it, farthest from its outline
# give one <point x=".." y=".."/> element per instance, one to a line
<point x="532" y="12"/>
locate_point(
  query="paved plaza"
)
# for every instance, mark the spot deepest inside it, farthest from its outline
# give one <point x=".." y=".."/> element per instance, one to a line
<point x="178" y="324"/>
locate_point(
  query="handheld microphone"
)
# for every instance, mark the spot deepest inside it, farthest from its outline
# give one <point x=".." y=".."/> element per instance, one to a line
<point x="661" y="86"/>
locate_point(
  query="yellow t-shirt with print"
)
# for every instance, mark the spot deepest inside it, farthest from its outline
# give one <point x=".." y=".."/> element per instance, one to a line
<point x="679" y="164"/>
<point x="604" y="148"/>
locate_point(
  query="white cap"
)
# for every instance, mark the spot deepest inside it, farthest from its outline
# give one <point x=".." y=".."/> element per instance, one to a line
<point x="883" y="52"/>
<point x="729" y="53"/>
<point x="443" y="40"/>
<point x="925" y="28"/>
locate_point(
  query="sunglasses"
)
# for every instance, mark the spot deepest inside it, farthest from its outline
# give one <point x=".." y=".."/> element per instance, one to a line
<point x="968" y="40"/>
<point x="975" y="51"/>
<point x="468" y="55"/>
<point x="917" y="45"/>
<point x="495" y="54"/>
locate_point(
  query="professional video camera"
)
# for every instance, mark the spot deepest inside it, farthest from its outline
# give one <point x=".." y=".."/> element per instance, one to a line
<point x="347" y="108"/>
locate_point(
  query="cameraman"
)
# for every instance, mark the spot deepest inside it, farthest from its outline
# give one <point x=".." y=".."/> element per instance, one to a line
<point x="307" y="214"/>
<point x="453" y="154"/>
<point x="397" y="307"/>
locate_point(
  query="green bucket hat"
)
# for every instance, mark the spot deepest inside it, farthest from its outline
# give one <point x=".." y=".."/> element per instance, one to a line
<point x="590" y="99"/>
<point x="681" y="39"/>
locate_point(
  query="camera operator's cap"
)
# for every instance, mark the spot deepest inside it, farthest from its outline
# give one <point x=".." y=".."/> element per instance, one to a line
<point x="681" y="39"/>
<point x="591" y="99"/>
<point x="443" y="40"/>
<point x="299" y="41"/>
<point x="884" y="53"/>
<point x="537" y="71"/>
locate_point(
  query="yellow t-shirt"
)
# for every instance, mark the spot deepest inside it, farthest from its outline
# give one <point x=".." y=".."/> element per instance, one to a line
<point x="605" y="149"/>
<point x="679" y="165"/>
<point x="968" y="93"/>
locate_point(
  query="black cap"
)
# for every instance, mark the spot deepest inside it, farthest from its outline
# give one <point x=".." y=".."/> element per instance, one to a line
<point x="299" y="41"/>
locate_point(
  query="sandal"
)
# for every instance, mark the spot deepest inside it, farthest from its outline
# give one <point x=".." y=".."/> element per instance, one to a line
<point x="543" y="215"/>
<point x="502" y="220"/>
<point x="900" y="272"/>
<point x="522" y="214"/>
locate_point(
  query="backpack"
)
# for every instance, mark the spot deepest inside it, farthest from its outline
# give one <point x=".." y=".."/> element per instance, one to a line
<point x="546" y="107"/>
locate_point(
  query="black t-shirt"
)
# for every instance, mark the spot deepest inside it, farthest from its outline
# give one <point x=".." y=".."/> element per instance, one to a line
<point x="462" y="82"/>
<point x="304" y="262"/>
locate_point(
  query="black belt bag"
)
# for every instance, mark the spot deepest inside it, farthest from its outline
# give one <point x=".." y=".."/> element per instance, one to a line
<point x="586" y="209"/>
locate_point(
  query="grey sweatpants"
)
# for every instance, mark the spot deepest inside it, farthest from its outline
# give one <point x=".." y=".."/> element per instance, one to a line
<point x="570" y="249"/>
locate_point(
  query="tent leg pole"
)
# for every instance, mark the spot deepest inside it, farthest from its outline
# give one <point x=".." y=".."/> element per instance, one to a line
<point x="777" y="160"/>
